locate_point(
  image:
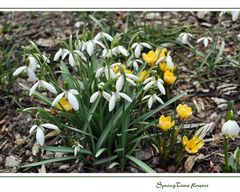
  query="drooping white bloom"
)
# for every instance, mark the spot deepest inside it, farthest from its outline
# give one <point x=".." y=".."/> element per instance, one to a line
<point x="89" y="46"/>
<point x="64" y="52"/>
<point x="154" y="82"/>
<point x="76" y="148"/>
<point x="152" y="99"/>
<point x="235" y="15"/>
<point x="184" y="38"/>
<point x="70" y="96"/>
<point x="107" y="71"/>
<point x="40" y="131"/>
<point x="138" y="47"/>
<point x="116" y="95"/>
<point x="100" y="93"/>
<point x="129" y="78"/>
<point x="205" y="40"/>
<point x="230" y="129"/>
<point x="119" y="50"/>
<point x="134" y="63"/>
<point x="42" y="84"/>
<point x="29" y="69"/>
<point x="102" y="35"/>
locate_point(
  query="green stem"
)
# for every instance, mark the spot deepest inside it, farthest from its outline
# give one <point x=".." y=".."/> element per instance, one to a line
<point x="226" y="152"/>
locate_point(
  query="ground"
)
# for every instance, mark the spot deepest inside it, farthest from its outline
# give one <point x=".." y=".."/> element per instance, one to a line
<point x="208" y="95"/>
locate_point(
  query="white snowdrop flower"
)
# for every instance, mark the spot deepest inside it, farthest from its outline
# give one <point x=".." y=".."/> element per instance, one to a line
<point x="135" y="63"/>
<point x="102" y="35"/>
<point x="29" y="69"/>
<point x="76" y="148"/>
<point x="222" y="13"/>
<point x="230" y="129"/>
<point x="40" y="131"/>
<point x="70" y="96"/>
<point x="152" y="99"/>
<point x="107" y="53"/>
<point x="184" y="38"/>
<point x="154" y="82"/>
<point x="119" y="50"/>
<point x="138" y="47"/>
<point x="64" y="52"/>
<point x="42" y="84"/>
<point x="129" y="78"/>
<point x="100" y="93"/>
<point x="235" y="15"/>
<point x="116" y="96"/>
<point x="205" y="40"/>
<point x="89" y="46"/>
<point x="107" y="71"/>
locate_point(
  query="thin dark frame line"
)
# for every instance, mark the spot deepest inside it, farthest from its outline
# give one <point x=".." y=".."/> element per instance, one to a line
<point x="139" y="176"/>
<point x="118" y="8"/>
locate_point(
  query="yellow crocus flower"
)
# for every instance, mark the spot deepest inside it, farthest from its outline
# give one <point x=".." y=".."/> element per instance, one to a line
<point x="169" y="78"/>
<point x="165" y="123"/>
<point x="151" y="57"/>
<point x="65" y="105"/>
<point x="193" y="145"/>
<point x="143" y="76"/>
<point x="184" y="111"/>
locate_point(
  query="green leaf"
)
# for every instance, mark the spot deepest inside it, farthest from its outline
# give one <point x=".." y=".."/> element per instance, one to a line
<point x="219" y="55"/>
<point x="99" y="152"/>
<point x="48" y="161"/>
<point x="141" y="164"/>
<point x="66" y="150"/>
<point x="114" y="164"/>
<point x="105" y="160"/>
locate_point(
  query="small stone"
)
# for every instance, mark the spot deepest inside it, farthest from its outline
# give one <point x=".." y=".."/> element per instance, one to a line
<point x="12" y="161"/>
<point x="64" y="167"/>
<point x="143" y="155"/>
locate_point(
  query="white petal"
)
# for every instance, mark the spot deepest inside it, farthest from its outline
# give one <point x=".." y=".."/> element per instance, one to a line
<point x="58" y="54"/>
<point x="33" y="63"/>
<point x="147" y="80"/>
<point x="150" y="102"/>
<point x="146" y="45"/>
<point x="19" y="70"/>
<point x="99" y="43"/>
<point x="32" y="128"/>
<point x="106" y="95"/>
<point x="49" y="126"/>
<point x="33" y="89"/>
<point x="158" y="99"/>
<point x="200" y="39"/>
<point x="40" y="136"/>
<point x="31" y="74"/>
<point x="146" y="97"/>
<point x="126" y="97"/>
<point x="235" y="15"/>
<point x="137" y="51"/>
<point x="71" y="60"/>
<point x="169" y="61"/>
<point x="120" y="83"/>
<point x="123" y="51"/>
<point x="65" y="52"/>
<point x="135" y="65"/>
<point x="205" y="42"/>
<point x="99" y="72"/>
<point x="49" y="87"/>
<point x="131" y="82"/>
<point x="161" y="88"/>
<point x="94" y="97"/>
<point x="73" y="101"/>
<point x="112" y="102"/>
<point x="58" y="98"/>
<point x="81" y="55"/>
<point x="74" y="91"/>
<point x="131" y="76"/>
<point x="134" y="45"/>
<point x="90" y="47"/>
<point x="147" y="86"/>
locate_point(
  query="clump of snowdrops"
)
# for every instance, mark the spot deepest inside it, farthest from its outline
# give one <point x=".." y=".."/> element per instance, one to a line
<point x="99" y="95"/>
